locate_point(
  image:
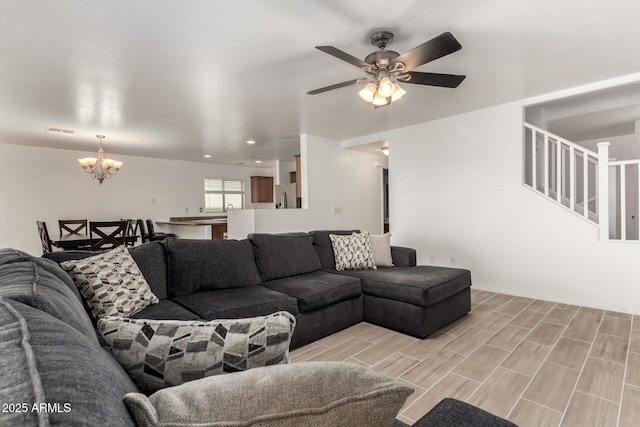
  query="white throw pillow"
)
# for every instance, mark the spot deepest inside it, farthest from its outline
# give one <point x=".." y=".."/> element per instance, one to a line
<point x="163" y="353"/>
<point x="301" y="394"/>
<point x="111" y="283"/>
<point x="352" y="252"/>
<point x="381" y="249"/>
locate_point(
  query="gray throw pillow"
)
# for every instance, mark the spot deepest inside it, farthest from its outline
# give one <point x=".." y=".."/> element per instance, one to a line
<point x="353" y="252"/>
<point x="163" y="353"/>
<point x="111" y="283"/>
<point x="381" y="249"/>
<point x="301" y="394"/>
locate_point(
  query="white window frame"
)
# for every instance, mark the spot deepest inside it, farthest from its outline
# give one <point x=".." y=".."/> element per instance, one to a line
<point x="224" y="193"/>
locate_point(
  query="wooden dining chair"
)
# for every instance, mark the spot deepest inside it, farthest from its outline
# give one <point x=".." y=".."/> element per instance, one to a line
<point x="133" y="229"/>
<point x="72" y="226"/>
<point x="144" y="236"/>
<point x="44" y="237"/>
<point x="110" y="234"/>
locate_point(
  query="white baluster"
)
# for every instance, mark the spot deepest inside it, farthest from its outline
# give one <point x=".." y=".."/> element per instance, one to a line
<point x="534" y="163"/>
<point x="623" y="202"/>
<point x="546" y="164"/>
<point x="602" y="190"/>
<point x="559" y="171"/>
<point x="585" y="187"/>
<point x="572" y="179"/>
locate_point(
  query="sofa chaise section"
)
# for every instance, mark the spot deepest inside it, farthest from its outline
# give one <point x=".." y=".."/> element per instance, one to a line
<point x="416" y="300"/>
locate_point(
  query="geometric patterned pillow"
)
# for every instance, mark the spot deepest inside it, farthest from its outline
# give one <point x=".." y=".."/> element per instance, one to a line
<point x="163" y="353"/>
<point x="111" y="283"/>
<point x="352" y="252"/>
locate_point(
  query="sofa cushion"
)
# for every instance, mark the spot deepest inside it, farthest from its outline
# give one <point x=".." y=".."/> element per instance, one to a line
<point x="421" y="285"/>
<point x="149" y="257"/>
<point x="353" y="252"/>
<point x="166" y="310"/>
<point x="323" y="247"/>
<point x="20" y="383"/>
<point x="164" y="353"/>
<point x="284" y="255"/>
<point x="63" y="368"/>
<point x="8" y="255"/>
<point x="201" y="265"/>
<point x="303" y="394"/>
<point x="317" y="290"/>
<point x="112" y="283"/>
<point x="151" y="261"/>
<point x="238" y="302"/>
<point x="27" y="282"/>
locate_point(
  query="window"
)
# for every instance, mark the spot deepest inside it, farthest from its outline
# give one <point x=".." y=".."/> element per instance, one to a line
<point x="220" y="193"/>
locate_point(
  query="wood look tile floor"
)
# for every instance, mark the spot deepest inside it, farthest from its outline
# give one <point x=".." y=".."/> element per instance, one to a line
<point x="536" y="363"/>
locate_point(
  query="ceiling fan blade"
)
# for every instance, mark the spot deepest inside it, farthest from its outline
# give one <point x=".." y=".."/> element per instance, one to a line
<point x="437" y="47"/>
<point x="434" y="79"/>
<point x="344" y="56"/>
<point x="337" y="86"/>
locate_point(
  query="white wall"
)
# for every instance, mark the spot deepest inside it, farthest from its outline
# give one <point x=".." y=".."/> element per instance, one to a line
<point x="622" y="147"/>
<point x="333" y="177"/>
<point x="456" y="191"/>
<point x="48" y="184"/>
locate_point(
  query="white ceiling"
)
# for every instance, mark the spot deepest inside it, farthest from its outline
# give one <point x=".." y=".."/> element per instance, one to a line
<point x="176" y="79"/>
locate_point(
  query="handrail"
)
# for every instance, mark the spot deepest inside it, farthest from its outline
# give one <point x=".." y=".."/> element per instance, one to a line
<point x="561" y="139"/>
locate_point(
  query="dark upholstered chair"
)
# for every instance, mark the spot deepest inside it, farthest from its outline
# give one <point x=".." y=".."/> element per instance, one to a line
<point x="110" y="234"/>
<point x="153" y="236"/>
<point x="44" y="237"/>
<point x="72" y="226"/>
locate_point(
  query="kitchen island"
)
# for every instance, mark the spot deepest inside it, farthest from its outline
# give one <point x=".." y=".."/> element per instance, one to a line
<point x="199" y="227"/>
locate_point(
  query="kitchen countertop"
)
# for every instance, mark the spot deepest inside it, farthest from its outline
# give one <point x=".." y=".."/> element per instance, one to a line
<point x="194" y="221"/>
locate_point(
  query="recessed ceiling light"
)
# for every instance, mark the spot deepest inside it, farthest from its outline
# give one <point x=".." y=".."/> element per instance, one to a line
<point x="258" y="161"/>
<point x="251" y="142"/>
<point x="207" y="155"/>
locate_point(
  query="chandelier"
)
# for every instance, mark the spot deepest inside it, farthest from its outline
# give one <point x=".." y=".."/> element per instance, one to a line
<point x="100" y="168"/>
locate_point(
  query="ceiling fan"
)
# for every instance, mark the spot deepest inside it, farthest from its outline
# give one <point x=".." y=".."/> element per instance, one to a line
<point x="386" y="68"/>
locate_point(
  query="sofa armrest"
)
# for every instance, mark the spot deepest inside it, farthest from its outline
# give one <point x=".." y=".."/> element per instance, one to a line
<point x="403" y="257"/>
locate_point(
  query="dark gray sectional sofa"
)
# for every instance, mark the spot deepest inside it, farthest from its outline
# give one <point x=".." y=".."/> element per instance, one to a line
<point x="51" y="354"/>
<point x="295" y="272"/>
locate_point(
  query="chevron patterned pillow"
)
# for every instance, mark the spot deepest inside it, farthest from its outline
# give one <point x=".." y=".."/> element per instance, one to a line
<point x="111" y="283"/>
<point x="162" y="353"/>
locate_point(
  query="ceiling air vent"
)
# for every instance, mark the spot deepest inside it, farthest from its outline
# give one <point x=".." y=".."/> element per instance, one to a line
<point x="59" y="131"/>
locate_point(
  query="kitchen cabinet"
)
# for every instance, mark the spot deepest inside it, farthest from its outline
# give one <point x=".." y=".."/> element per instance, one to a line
<point x="218" y="231"/>
<point x="261" y="189"/>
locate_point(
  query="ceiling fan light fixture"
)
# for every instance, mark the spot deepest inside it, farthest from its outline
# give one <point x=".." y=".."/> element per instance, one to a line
<point x="386" y="88"/>
<point x="399" y="93"/>
<point x="368" y="93"/>
<point x="380" y="101"/>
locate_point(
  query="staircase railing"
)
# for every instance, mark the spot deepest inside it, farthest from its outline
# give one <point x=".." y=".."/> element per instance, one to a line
<point x="624" y="185"/>
<point x="606" y="193"/>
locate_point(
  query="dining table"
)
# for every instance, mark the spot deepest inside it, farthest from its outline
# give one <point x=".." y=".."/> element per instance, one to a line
<point x="81" y="240"/>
